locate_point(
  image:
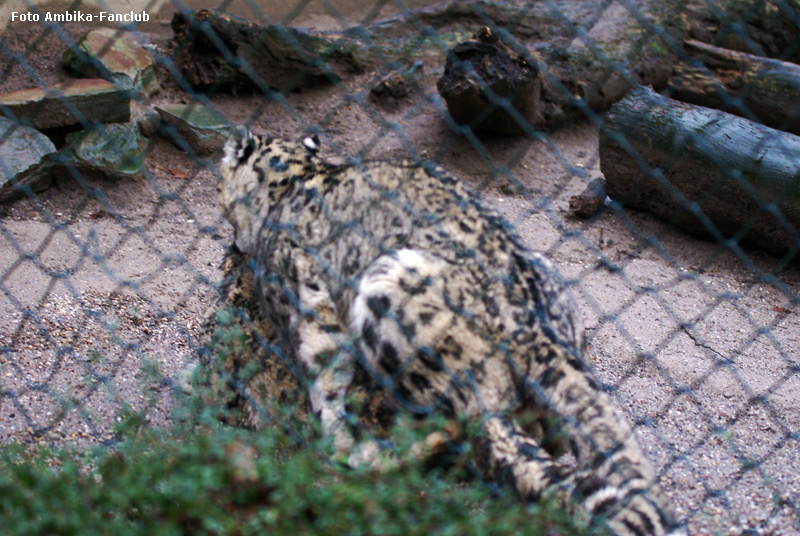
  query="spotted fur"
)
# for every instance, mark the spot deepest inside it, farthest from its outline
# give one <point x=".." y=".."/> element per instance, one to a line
<point x="399" y="267"/>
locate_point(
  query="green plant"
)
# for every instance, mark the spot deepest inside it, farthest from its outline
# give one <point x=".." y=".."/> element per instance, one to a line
<point x="212" y="479"/>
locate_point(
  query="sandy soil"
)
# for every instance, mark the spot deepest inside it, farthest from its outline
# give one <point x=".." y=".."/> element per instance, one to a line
<point x="101" y="300"/>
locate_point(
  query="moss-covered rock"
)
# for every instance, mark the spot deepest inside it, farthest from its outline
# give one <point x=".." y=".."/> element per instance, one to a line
<point x="203" y="129"/>
<point x="113" y="151"/>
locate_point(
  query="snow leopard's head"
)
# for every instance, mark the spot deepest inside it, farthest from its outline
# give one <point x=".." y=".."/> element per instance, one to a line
<point x="255" y="172"/>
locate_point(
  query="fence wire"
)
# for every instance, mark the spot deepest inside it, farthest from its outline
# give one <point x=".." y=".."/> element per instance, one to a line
<point x="122" y="294"/>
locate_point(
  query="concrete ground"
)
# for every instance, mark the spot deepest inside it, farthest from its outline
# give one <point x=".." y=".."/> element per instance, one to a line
<point x="101" y="305"/>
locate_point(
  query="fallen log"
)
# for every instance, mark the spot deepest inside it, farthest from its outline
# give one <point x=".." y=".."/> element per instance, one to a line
<point x="478" y="72"/>
<point x="706" y="171"/>
<point x="593" y="53"/>
<point x="589" y="202"/>
<point x="533" y="20"/>
<point x="216" y="48"/>
<point x="766" y="28"/>
<point x="595" y="66"/>
<point x="739" y="83"/>
<point x="588" y="53"/>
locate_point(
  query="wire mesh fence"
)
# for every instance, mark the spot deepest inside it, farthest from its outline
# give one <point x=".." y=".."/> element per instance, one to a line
<point x="126" y="293"/>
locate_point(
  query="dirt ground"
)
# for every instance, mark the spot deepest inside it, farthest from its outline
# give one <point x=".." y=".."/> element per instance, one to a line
<point x="101" y="301"/>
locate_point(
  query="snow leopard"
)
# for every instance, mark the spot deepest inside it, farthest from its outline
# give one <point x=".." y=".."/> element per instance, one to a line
<point x="399" y="269"/>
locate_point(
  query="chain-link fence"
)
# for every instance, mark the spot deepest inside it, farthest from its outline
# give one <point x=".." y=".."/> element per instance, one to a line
<point x="123" y="296"/>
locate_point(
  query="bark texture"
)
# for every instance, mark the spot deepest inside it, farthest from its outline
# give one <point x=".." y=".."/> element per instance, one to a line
<point x="705" y="171"/>
<point x="489" y="86"/>
<point x="755" y="87"/>
<point x="217" y="49"/>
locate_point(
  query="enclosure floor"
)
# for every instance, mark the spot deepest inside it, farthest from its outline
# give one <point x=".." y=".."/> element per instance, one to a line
<point x="101" y="303"/>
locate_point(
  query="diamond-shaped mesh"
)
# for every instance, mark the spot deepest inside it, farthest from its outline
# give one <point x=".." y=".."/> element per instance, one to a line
<point x="108" y="278"/>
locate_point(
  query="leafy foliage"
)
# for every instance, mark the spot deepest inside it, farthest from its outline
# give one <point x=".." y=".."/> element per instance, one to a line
<point x="218" y="480"/>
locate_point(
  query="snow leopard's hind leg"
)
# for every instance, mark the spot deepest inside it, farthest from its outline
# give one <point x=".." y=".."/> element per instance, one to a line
<point x="514" y="458"/>
<point x="424" y="330"/>
<point x="323" y="352"/>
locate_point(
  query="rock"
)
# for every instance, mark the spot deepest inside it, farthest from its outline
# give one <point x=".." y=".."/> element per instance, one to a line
<point x="113" y="151"/>
<point x="69" y="103"/>
<point x="478" y="73"/>
<point x="396" y="86"/>
<point x="22" y="159"/>
<point x="204" y="129"/>
<point x="588" y="202"/>
<point x="147" y="118"/>
<point x="115" y="56"/>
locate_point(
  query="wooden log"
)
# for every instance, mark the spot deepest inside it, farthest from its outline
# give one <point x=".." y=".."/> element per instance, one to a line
<point x="706" y="171"/>
<point x="526" y="20"/>
<point x="478" y="73"/>
<point x="589" y="53"/>
<point x="272" y="56"/>
<point x="575" y="72"/>
<point x="739" y="83"/>
<point x="589" y="202"/>
<point x="765" y="28"/>
<point x="593" y="53"/>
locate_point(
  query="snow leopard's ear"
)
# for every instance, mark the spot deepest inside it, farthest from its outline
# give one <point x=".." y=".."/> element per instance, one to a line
<point x="312" y="143"/>
<point x="239" y="147"/>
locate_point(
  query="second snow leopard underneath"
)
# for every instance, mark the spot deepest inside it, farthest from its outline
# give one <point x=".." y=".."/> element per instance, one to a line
<point x="399" y="267"/>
